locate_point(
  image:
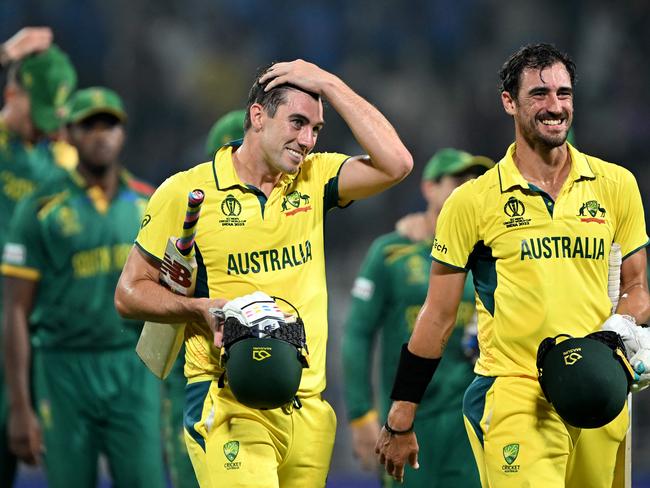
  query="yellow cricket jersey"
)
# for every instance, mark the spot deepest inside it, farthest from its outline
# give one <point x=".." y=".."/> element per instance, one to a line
<point x="246" y="242"/>
<point x="540" y="266"/>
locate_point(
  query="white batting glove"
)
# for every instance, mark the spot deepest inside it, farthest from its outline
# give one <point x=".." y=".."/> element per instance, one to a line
<point x="641" y="364"/>
<point x="634" y="337"/>
<point x="255" y="310"/>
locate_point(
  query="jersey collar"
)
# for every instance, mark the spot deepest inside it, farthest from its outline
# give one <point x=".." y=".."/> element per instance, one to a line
<point x="225" y="176"/>
<point x="510" y="177"/>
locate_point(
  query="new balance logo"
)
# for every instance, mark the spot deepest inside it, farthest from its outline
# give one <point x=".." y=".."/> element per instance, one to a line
<point x="176" y="271"/>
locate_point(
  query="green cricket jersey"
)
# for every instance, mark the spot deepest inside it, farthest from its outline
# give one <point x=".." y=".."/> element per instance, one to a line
<point x="74" y="242"/>
<point x="22" y="167"/>
<point x="386" y="297"/>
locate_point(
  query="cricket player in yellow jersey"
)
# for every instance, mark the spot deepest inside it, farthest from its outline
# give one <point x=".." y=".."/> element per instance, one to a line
<point x="261" y="228"/>
<point x="535" y="231"/>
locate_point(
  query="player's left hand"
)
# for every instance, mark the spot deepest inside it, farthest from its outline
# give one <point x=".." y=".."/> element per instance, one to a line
<point x="300" y="73"/>
<point x="395" y="451"/>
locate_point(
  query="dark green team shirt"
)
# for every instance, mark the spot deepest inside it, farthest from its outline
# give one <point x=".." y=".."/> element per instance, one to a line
<point x="386" y="298"/>
<point x="74" y="243"/>
<point x="22" y="167"/>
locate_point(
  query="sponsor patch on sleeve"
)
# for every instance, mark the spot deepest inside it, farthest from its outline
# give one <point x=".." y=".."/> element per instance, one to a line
<point x="14" y="254"/>
<point x="363" y="288"/>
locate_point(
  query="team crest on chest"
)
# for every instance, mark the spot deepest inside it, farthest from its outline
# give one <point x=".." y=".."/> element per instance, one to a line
<point x="231" y="209"/>
<point x="294" y="203"/>
<point x="592" y="211"/>
<point x="515" y="209"/>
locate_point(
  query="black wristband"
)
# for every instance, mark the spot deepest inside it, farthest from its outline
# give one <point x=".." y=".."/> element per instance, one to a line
<point x="413" y="376"/>
<point x="392" y="431"/>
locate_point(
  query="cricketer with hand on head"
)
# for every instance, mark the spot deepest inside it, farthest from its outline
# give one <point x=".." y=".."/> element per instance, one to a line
<point x="261" y="229"/>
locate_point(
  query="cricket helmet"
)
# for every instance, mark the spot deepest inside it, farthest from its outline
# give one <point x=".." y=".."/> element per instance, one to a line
<point x="263" y="363"/>
<point x="587" y="379"/>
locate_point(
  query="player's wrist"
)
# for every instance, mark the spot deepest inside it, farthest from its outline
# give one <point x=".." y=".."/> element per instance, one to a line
<point x="413" y="376"/>
<point x="393" y="431"/>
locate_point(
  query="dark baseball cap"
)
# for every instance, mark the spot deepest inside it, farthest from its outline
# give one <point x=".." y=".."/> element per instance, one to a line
<point x="450" y="161"/>
<point x="92" y="101"/>
<point x="48" y="78"/>
<point x="228" y="128"/>
<point x="587" y="379"/>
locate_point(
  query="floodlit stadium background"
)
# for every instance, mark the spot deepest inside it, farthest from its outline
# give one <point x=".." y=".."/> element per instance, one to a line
<point x="430" y="66"/>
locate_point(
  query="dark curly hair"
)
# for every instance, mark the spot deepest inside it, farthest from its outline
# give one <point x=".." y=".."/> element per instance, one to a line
<point x="272" y="99"/>
<point x="536" y="56"/>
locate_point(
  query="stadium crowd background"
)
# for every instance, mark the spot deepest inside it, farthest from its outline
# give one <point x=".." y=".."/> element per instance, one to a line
<point x="431" y="66"/>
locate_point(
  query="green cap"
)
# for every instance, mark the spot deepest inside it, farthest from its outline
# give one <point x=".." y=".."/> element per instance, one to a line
<point x="451" y="161"/>
<point x="48" y="77"/>
<point x="584" y="378"/>
<point x="228" y="128"/>
<point x="95" y="100"/>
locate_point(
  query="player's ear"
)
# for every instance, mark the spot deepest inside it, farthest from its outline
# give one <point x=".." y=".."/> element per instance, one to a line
<point x="509" y="103"/>
<point x="256" y="115"/>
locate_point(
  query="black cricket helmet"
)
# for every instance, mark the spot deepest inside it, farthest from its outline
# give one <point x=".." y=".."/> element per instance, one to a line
<point x="263" y="363"/>
<point x="587" y="379"/>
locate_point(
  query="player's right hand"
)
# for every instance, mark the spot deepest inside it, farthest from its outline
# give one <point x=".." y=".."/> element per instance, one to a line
<point x="26" y="41"/>
<point x="364" y="439"/>
<point x="25" y="437"/>
<point x="207" y="308"/>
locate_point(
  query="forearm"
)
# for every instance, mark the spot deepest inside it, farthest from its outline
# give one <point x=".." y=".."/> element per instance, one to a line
<point x="17" y="358"/>
<point x="431" y="333"/>
<point x="147" y="300"/>
<point x="371" y="129"/>
<point x="635" y="301"/>
<point x="356" y="354"/>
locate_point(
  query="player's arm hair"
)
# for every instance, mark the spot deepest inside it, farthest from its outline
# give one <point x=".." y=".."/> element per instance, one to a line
<point x="18" y="299"/>
<point x="635" y="299"/>
<point x="140" y="296"/>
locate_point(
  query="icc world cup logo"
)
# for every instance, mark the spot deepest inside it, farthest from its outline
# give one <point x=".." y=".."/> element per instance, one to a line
<point x="231" y="206"/>
<point x="514" y="208"/>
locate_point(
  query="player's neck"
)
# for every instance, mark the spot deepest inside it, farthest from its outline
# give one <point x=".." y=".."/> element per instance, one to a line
<point x="545" y="168"/>
<point x="253" y="170"/>
<point x="107" y="180"/>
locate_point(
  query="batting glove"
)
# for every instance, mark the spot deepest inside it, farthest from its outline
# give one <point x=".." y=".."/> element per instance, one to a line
<point x="634" y="337"/>
<point x="257" y="310"/>
<point x="641" y="364"/>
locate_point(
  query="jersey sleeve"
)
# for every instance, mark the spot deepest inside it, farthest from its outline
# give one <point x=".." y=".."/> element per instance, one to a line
<point x="630" y="230"/>
<point x="456" y="229"/>
<point x="24" y="255"/>
<point x="327" y="167"/>
<point x="360" y="332"/>
<point x="164" y="216"/>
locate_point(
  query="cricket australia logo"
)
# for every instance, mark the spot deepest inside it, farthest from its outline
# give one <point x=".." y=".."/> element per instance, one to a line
<point x="510" y="453"/>
<point x="515" y="209"/>
<point x="292" y="202"/>
<point x="595" y="213"/>
<point x="231" y="450"/>
<point x="231" y="209"/>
